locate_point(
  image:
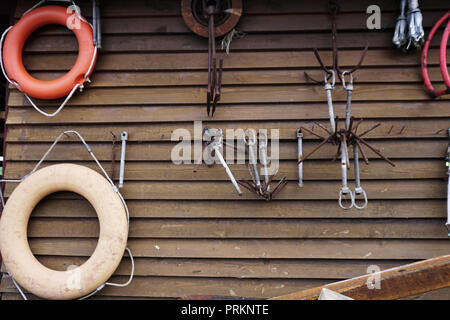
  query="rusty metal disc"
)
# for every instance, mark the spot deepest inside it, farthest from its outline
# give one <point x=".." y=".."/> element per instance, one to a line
<point x="231" y="11"/>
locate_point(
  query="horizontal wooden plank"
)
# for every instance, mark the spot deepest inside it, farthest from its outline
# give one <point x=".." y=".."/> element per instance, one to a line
<point x="317" y="170"/>
<point x="400" y="282"/>
<point x="191" y="42"/>
<point x="256" y="249"/>
<point x="238" y="112"/>
<point x="178" y="287"/>
<point x="236" y="60"/>
<point x="16" y="296"/>
<point x="250" y="209"/>
<point x="429" y="148"/>
<point x="151" y="62"/>
<point x="249" y="24"/>
<point x="441" y="294"/>
<point x="232" y="94"/>
<point x="247" y="228"/>
<point x="318" y="190"/>
<point x="242" y="77"/>
<point x="286" y="130"/>
<point x="233" y="268"/>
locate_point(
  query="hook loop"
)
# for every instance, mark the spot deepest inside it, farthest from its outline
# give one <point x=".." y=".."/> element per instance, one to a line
<point x="365" y="201"/>
<point x="344" y="191"/>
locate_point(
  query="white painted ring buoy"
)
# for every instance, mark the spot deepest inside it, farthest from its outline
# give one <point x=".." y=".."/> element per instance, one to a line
<point x="16" y="252"/>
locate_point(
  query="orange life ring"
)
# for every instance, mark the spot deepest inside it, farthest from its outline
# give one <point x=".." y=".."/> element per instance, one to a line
<point x="18" y="35"/>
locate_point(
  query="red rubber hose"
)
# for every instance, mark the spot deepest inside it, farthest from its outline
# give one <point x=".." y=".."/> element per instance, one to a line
<point x="443" y="56"/>
<point x="443" y="59"/>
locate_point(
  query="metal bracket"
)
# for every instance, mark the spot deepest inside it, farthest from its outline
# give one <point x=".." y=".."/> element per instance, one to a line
<point x="124" y="138"/>
<point x="96" y="23"/>
<point x="215" y="140"/>
<point x="300" y="155"/>
<point x="214" y="74"/>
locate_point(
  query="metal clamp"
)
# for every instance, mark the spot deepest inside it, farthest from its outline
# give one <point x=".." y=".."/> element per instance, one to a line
<point x="328" y="87"/>
<point x="214" y="74"/>
<point x="345" y="190"/>
<point x="251" y="143"/>
<point x="124" y="138"/>
<point x="299" y="156"/>
<point x="263" y="156"/>
<point x="96" y="23"/>
<point x="349" y="88"/>
<point x="358" y="190"/>
<point x="216" y="144"/>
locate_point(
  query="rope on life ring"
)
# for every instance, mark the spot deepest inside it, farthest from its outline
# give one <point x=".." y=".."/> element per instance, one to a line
<point x="112" y="211"/>
<point x="12" y="43"/>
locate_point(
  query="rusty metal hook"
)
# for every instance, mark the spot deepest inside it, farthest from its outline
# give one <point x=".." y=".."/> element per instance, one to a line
<point x="334" y="7"/>
<point x="212" y="8"/>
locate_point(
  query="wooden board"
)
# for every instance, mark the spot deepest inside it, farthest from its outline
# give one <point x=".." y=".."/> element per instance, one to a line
<point x="190" y="232"/>
<point x="188" y="209"/>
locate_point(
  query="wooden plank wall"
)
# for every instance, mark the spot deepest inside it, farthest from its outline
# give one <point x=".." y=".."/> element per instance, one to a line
<point x="190" y="233"/>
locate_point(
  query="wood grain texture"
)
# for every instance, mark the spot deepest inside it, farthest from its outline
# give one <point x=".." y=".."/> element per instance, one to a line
<point x="190" y="232"/>
<point x="286" y="130"/>
<point x="247" y="228"/>
<point x="235" y="112"/>
<point x="252" y="209"/>
<point x="392" y="249"/>
<point x="234" y="268"/>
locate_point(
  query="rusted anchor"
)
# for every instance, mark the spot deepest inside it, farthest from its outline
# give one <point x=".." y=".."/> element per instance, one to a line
<point x="348" y="135"/>
<point x="333" y="6"/>
<point x="212" y="19"/>
<point x="256" y="186"/>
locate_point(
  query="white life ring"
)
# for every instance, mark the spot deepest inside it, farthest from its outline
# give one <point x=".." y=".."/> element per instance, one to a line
<point x="16" y="252"/>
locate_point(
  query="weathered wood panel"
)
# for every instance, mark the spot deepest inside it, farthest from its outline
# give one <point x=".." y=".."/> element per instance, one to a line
<point x="233" y="268"/>
<point x="246" y="228"/>
<point x="389" y="128"/>
<point x="190" y="232"/>
<point x="256" y="248"/>
<point x="187" y="209"/>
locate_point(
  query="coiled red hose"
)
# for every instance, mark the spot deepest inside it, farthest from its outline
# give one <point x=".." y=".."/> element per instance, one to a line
<point x="442" y="58"/>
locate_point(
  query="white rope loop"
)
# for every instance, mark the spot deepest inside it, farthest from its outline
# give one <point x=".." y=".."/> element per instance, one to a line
<point x="89" y="150"/>
<point x="226" y="41"/>
<point x="100" y="287"/>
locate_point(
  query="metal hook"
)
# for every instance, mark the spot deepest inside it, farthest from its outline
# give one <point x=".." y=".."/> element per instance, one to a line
<point x="359" y="191"/>
<point x="348" y="87"/>
<point x="345" y="189"/>
<point x="333" y="10"/>
<point x="250" y="133"/>
<point x="263" y="156"/>
<point x="251" y="142"/>
<point x="210" y="9"/>
<point x="328" y="87"/>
